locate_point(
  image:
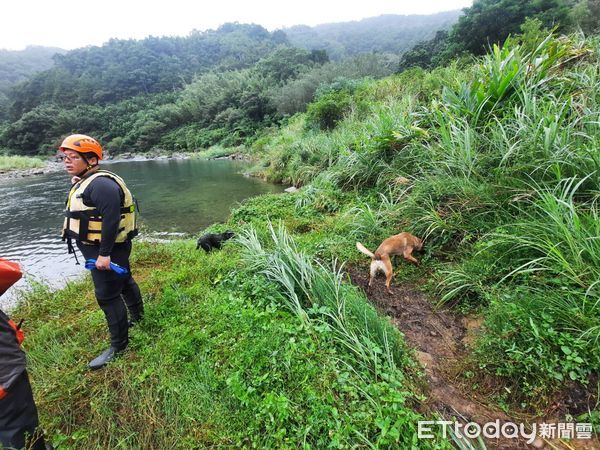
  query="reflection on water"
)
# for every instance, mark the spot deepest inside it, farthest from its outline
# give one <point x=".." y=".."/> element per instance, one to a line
<point x="181" y="196"/>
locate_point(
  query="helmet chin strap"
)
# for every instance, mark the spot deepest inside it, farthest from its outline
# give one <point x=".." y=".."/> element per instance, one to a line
<point x="87" y="169"/>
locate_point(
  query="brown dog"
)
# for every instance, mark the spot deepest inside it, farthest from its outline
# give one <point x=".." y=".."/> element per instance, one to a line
<point x="399" y="244"/>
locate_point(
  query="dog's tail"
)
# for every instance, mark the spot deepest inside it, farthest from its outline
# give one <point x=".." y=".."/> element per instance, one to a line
<point x="361" y="248"/>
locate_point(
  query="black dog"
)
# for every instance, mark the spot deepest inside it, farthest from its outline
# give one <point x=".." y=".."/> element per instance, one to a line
<point x="211" y="240"/>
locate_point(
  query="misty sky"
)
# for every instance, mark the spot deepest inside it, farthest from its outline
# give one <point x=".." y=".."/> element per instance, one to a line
<point x="70" y="24"/>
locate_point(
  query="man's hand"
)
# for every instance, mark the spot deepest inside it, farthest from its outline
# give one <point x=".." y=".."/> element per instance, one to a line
<point x="103" y="263"/>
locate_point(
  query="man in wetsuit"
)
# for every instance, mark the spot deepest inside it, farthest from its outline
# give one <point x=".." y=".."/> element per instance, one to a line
<point x="18" y="413"/>
<point x="100" y="217"/>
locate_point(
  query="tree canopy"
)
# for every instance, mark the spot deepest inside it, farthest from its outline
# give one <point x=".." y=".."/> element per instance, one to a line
<point x="218" y="86"/>
<point x="383" y="34"/>
<point x="489" y="22"/>
<point x="18" y="65"/>
<point x="122" y="69"/>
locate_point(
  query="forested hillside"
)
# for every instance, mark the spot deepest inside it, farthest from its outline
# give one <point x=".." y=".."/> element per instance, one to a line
<point x="106" y="90"/>
<point x="122" y="69"/>
<point x="492" y="21"/>
<point x="224" y="86"/>
<point x="384" y="34"/>
<point x="18" y="65"/>
<point x="186" y="93"/>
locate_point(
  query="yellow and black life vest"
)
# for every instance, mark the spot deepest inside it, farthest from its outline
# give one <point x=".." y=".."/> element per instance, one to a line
<point x="84" y="223"/>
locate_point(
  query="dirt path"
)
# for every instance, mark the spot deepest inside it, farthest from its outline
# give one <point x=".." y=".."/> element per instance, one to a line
<point x="442" y="340"/>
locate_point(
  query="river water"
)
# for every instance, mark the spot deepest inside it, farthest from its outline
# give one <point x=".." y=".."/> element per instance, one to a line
<point x="175" y="196"/>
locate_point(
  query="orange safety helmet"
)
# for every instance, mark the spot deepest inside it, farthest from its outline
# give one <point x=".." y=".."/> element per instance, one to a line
<point x="10" y="273"/>
<point x="82" y="144"/>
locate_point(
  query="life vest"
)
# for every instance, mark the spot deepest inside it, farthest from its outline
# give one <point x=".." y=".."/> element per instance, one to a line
<point x="10" y="273"/>
<point x="6" y="342"/>
<point x="84" y="223"/>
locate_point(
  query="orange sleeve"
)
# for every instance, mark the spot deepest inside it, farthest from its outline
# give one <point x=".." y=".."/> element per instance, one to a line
<point x="18" y="332"/>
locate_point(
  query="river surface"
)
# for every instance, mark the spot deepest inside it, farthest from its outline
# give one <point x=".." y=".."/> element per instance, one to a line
<point x="175" y="197"/>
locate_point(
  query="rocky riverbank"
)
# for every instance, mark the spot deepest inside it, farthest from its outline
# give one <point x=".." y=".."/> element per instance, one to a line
<point x="53" y="165"/>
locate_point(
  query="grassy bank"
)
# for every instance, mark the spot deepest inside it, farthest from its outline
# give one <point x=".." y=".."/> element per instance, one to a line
<point x="265" y="344"/>
<point x="20" y="162"/>
<point x="496" y="164"/>
<point x="253" y="346"/>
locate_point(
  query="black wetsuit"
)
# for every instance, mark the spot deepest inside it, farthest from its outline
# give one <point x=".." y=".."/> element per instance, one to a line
<point x="115" y="294"/>
<point x="18" y="414"/>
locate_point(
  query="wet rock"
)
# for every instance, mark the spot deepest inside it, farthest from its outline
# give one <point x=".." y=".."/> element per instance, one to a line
<point x="291" y="189"/>
<point x="538" y="443"/>
<point x="424" y="358"/>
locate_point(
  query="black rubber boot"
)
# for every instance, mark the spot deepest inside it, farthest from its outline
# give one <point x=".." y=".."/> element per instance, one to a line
<point x="116" y="319"/>
<point x="131" y="322"/>
<point x="133" y="300"/>
<point x="105" y="357"/>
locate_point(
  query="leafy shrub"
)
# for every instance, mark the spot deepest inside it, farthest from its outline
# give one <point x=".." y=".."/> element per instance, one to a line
<point x="328" y="110"/>
<point x="538" y="340"/>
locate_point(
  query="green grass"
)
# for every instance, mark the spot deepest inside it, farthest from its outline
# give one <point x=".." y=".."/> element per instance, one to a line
<point x="217" y="151"/>
<point x="219" y="360"/>
<point x="537" y="338"/>
<point x="496" y="165"/>
<point x="20" y="162"/>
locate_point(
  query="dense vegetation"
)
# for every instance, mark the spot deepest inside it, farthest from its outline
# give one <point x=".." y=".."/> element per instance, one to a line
<point x="18" y="65"/>
<point x="232" y="352"/>
<point x="224" y="86"/>
<point x="215" y="87"/>
<point x="99" y="90"/>
<point x="384" y="34"/>
<point x="20" y="162"/>
<point x="497" y="166"/>
<point x="490" y="22"/>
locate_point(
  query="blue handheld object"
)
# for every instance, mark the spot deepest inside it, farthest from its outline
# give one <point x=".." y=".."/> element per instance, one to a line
<point x="90" y="264"/>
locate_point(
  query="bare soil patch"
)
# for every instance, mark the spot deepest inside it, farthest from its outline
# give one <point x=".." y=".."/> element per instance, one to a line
<point x="442" y="340"/>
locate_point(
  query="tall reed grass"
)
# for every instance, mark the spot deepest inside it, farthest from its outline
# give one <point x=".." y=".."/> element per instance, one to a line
<point x="318" y="296"/>
<point x="557" y="235"/>
<point x="500" y="173"/>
